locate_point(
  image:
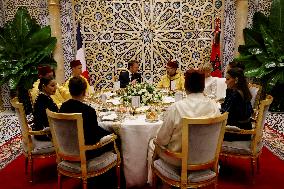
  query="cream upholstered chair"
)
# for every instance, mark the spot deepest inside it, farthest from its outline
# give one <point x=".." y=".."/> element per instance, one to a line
<point x="68" y="137"/>
<point x="249" y="149"/>
<point x="255" y="91"/>
<point x="201" y="145"/>
<point x="32" y="148"/>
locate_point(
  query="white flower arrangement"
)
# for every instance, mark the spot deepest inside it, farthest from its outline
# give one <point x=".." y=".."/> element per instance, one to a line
<point x="147" y="92"/>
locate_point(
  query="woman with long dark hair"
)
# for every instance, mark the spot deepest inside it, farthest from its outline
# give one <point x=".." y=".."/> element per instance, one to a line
<point x="237" y="103"/>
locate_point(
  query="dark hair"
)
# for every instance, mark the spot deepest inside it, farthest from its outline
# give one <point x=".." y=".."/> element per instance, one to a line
<point x="77" y="86"/>
<point x="235" y="64"/>
<point x="131" y="62"/>
<point x="194" y="81"/>
<point x="44" y="81"/>
<point x="241" y="82"/>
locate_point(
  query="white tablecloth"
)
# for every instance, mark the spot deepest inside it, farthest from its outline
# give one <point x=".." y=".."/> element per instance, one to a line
<point x="135" y="136"/>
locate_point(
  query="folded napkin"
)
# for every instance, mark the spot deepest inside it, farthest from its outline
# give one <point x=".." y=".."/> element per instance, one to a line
<point x="114" y="101"/>
<point x="168" y="99"/>
<point x="110" y="117"/>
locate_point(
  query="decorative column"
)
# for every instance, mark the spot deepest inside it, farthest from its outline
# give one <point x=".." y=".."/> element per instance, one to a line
<point x="55" y="24"/>
<point x="241" y="22"/>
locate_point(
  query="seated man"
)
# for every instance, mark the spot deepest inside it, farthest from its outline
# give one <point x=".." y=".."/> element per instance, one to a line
<point x="195" y="105"/>
<point x="174" y="80"/>
<point x="60" y="95"/>
<point x="131" y="76"/>
<point x="92" y="131"/>
<point x="76" y="67"/>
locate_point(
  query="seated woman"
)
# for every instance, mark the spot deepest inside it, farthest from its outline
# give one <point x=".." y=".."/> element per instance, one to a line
<point x="195" y="105"/>
<point x="47" y="87"/>
<point x="92" y="131"/>
<point x="237" y="103"/>
<point x="210" y="82"/>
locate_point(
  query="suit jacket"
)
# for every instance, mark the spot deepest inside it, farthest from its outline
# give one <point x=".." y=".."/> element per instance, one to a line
<point x="124" y="78"/>
<point x="92" y="131"/>
<point x="42" y="103"/>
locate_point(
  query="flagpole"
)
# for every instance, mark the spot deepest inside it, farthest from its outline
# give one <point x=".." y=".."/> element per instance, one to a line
<point x="55" y="24"/>
<point x="241" y="22"/>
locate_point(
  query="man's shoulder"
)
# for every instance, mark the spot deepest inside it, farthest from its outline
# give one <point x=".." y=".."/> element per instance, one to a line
<point x="124" y="73"/>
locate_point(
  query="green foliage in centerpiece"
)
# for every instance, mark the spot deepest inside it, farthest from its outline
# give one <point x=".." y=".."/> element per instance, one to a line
<point x="148" y="93"/>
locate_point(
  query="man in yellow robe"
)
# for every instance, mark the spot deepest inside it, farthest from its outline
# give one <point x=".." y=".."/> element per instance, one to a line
<point x="60" y="96"/>
<point x="174" y="79"/>
<point x="76" y="67"/>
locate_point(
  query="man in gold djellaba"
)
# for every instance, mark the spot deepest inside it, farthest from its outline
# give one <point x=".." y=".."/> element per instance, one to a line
<point x="174" y="79"/>
<point x="76" y="67"/>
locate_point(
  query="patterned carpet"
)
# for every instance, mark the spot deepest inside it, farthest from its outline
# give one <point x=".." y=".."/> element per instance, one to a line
<point x="10" y="141"/>
<point x="274" y="141"/>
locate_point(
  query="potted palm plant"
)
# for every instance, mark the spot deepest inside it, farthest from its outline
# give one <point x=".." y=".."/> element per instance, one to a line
<point x="24" y="45"/>
<point x="263" y="53"/>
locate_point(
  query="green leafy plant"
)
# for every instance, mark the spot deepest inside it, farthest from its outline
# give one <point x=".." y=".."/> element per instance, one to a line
<point x="24" y="45"/>
<point x="263" y="52"/>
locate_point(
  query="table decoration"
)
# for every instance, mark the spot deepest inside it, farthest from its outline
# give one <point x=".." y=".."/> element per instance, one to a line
<point x="147" y="92"/>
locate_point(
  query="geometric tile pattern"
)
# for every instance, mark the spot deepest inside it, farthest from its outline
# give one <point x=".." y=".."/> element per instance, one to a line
<point x="68" y="36"/>
<point x="229" y="33"/>
<point x="151" y="31"/>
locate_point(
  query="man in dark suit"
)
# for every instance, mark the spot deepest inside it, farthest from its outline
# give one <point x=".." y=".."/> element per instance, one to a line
<point x="132" y="75"/>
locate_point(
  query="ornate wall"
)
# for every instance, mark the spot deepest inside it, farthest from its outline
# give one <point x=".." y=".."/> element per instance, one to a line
<point x="114" y="51"/>
<point x="151" y="31"/>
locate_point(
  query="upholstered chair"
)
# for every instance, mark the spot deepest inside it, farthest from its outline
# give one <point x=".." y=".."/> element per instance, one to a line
<point x="248" y="149"/>
<point x="32" y="148"/>
<point x="68" y="137"/>
<point x="201" y="145"/>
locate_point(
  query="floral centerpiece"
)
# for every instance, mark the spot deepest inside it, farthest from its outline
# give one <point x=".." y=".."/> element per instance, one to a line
<point x="148" y="93"/>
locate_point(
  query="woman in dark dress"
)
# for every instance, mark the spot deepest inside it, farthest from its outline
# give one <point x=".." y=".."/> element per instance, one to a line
<point x="237" y="103"/>
<point x="47" y="87"/>
<point x="92" y="131"/>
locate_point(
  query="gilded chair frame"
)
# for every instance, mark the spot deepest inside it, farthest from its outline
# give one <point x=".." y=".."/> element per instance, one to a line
<point x="183" y="155"/>
<point x="84" y="175"/>
<point x="256" y="132"/>
<point x="27" y="134"/>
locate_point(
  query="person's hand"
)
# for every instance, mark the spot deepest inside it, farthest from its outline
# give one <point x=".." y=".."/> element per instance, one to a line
<point x="134" y="82"/>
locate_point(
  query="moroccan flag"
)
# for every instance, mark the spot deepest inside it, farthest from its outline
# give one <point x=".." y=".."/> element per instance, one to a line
<point x="215" y="53"/>
<point x="80" y="55"/>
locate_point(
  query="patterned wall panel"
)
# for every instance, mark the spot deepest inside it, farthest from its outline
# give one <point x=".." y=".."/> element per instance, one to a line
<point x="1" y="13"/>
<point x="68" y="37"/>
<point x="151" y="31"/>
<point x="229" y="32"/>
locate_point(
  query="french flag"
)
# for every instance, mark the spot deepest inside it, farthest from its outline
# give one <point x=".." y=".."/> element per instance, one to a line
<point x="80" y="54"/>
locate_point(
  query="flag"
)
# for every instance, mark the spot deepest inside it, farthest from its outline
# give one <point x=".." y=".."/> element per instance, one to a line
<point x="80" y="54"/>
<point x="215" y="53"/>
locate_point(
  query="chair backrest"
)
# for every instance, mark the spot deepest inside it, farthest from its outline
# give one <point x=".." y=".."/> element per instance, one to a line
<point x="201" y="141"/>
<point x="67" y="135"/>
<point x="20" y="111"/>
<point x="255" y="91"/>
<point x="260" y="121"/>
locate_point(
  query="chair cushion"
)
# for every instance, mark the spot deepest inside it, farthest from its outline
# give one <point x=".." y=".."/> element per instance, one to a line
<point x="40" y="147"/>
<point x="93" y="165"/>
<point x="173" y="172"/>
<point x="239" y="147"/>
